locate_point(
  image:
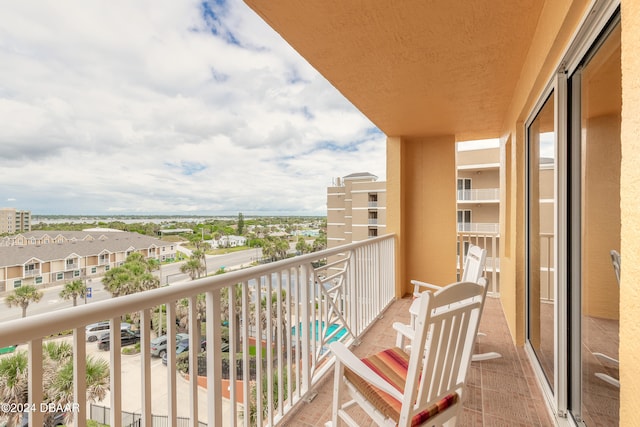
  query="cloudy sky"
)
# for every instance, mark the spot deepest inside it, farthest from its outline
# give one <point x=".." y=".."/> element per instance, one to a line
<point x="167" y="107"/>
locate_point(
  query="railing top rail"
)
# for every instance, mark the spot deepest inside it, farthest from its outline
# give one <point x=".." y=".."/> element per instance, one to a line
<point x="41" y="325"/>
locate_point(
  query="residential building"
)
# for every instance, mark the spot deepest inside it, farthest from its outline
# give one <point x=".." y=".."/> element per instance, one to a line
<point x="54" y="257"/>
<point x="48" y="237"/>
<point x="14" y="221"/>
<point x="356" y="209"/>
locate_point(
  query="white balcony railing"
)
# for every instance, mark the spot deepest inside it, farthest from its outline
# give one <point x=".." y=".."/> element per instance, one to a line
<point x="479" y="195"/>
<point x="479" y="227"/>
<point x="491" y="242"/>
<point x="337" y="300"/>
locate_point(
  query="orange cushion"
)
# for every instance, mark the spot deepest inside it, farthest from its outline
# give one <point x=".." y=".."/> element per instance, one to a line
<point x="392" y="365"/>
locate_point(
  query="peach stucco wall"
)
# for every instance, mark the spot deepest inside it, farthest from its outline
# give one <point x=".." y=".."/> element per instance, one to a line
<point x="556" y="26"/>
<point x="425" y="223"/>
<point x="630" y="208"/>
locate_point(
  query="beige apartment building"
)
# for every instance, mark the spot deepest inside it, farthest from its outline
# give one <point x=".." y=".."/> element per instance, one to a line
<point x="356" y="209"/>
<point x="357" y="206"/>
<point x="46" y="258"/>
<point x="14" y="221"/>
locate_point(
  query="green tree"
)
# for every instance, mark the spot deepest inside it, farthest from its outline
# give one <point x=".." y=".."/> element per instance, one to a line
<point x="193" y="267"/>
<point x="240" y="224"/>
<point x="131" y="277"/>
<point x="22" y="297"/>
<point x="73" y="290"/>
<point x="57" y="367"/>
<point x="302" y="247"/>
<point x="264" y="395"/>
<point x="182" y="311"/>
<point x="320" y="242"/>
<point x="226" y="312"/>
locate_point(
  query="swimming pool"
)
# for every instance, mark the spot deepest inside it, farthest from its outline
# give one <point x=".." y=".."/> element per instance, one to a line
<point x="330" y="330"/>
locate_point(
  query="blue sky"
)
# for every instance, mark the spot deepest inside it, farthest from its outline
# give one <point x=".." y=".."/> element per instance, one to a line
<point x="167" y="107"/>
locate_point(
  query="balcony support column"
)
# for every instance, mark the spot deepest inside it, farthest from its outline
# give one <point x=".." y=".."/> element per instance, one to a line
<point x="421" y="208"/>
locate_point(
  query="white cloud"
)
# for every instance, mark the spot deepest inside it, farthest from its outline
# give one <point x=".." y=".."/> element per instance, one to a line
<point x="168" y="107"/>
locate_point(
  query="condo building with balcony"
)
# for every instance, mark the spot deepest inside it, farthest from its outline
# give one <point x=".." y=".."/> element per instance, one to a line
<point x="47" y="258"/>
<point x="14" y="221"/>
<point x="356" y="209"/>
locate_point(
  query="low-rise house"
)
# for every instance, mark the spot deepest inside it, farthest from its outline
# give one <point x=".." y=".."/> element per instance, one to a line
<point x="66" y="258"/>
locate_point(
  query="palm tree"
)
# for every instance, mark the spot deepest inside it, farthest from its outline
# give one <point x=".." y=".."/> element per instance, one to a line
<point x="226" y="312"/>
<point x="14" y="383"/>
<point x="73" y="290"/>
<point x="182" y="311"/>
<point x="193" y="267"/>
<point x="58" y="378"/>
<point x="23" y="296"/>
<point x="131" y="277"/>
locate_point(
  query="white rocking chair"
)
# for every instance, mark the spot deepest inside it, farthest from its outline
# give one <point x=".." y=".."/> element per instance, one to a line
<point x="421" y="388"/>
<point x="615" y="261"/>
<point x="473" y="269"/>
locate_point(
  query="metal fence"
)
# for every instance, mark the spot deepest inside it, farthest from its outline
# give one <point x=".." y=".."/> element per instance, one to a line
<point x="102" y="414"/>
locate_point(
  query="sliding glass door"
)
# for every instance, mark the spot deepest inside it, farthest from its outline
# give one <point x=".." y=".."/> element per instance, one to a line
<point x="573" y="156"/>
<point x="595" y="148"/>
<point x="541" y="300"/>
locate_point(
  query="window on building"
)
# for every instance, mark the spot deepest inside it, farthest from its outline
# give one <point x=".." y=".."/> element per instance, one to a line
<point x="38" y="280"/>
<point x="17" y="283"/>
<point x="76" y="273"/>
<point x="464" y="188"/>
<point x="59" y="276"/>
<point x="94" y="270"/>
<point x="464" y="220"/>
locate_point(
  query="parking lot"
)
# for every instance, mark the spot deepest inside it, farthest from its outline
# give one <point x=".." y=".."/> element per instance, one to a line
<point x="132" y="390"/>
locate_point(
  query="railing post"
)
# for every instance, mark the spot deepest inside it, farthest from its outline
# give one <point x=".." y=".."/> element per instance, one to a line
<point x="35" y="382"/>
<point x="116" y="373"/>
<point x="303" y="279"/>
<point x="145" y="359"/>
<point x="351" y="295"/>
<point x="80" y="376"/>
<point x="214" y="360"/>
<point x="172" y="409"/>
<point x="194" y="348"/>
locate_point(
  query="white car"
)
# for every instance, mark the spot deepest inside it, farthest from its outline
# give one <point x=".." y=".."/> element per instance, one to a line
<point x="95" y="330"/>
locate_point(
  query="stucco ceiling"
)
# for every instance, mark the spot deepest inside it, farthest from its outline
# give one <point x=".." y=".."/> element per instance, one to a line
<point x="415" y="67"/>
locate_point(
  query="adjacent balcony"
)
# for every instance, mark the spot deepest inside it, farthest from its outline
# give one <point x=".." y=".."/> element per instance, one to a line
<point x="476" y="195"/>
<point x="479" y="227"/>
<point x="274" y="366"/>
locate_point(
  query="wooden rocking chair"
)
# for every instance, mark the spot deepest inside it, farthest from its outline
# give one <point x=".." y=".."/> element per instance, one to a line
<point x="424" y="387"/>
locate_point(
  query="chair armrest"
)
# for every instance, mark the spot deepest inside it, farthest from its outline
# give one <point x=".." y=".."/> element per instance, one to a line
<point x="417" y="284"/>
<point x="404" y="329"/>
<point x="349" y="360"/>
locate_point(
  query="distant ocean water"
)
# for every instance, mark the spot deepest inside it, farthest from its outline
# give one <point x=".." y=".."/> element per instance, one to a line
<point x="35" y="219"/>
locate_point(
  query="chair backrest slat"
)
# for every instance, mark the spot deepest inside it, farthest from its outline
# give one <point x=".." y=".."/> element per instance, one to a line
<point x="474" y="264"/>
<point x="445" y="332"/>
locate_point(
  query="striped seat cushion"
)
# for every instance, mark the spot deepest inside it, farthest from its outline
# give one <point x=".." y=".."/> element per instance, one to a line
<point x="392" y="365"/>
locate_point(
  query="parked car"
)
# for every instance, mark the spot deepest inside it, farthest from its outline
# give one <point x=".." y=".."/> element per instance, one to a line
<point x="184" y="346"/>
<point x="159" y="345"/>
<point x="95" y="330"/>
<point x="127" y="337"/>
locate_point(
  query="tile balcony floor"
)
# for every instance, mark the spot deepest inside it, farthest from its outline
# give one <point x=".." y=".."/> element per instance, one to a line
<point x="499" y="392"/>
